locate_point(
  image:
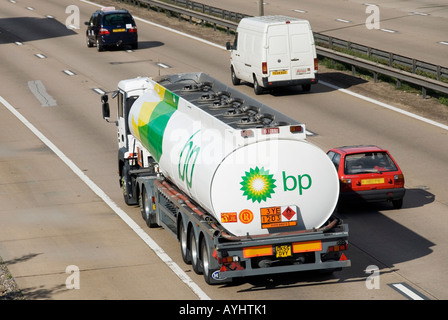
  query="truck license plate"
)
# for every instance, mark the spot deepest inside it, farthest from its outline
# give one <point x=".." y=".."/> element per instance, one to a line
<point x="283" y="251"/>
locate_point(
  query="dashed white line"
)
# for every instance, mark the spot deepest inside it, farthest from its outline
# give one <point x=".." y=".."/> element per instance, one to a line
<point x="343" y="20"/>
<point x="408" y="291"/>
<point x="420" y="13"/>
<point x="69" y="72"/>
<point x="162" y="65"/>
<point x="388" y="30"/>
<point x="99" y="91"/>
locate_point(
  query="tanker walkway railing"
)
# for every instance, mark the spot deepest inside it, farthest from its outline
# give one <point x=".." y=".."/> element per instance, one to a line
<point x="419" y="73"/>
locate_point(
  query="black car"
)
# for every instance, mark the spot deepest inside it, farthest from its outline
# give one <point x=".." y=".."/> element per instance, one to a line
<point x="110" y="27"/>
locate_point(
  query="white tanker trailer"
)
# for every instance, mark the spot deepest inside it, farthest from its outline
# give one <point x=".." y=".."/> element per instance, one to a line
<point x="235" y="180"/>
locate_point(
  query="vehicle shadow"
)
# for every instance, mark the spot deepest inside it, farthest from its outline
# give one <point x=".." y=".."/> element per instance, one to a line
<point x="32" y="29"/>
<point x="386" y="242"/>
<point x="149" y="44"/>
<point x="339" y="79"/>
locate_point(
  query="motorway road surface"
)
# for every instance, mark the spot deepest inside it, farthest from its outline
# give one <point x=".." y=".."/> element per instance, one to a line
<point x="416" y="29"/>
<point x="51" y="220"/>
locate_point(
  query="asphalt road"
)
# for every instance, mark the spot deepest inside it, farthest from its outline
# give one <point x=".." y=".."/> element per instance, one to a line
<point x="53" y="219"/>
<point x="416" y="29"/>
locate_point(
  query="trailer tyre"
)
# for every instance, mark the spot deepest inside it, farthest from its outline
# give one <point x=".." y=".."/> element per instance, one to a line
<point x="195" y="259"/>
<point x="206" y="263"/>
<point x="184" y="249"/>
<point x="147" y="213"/>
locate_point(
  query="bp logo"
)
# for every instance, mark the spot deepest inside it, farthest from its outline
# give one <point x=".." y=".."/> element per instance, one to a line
<point x="258" y="184"/>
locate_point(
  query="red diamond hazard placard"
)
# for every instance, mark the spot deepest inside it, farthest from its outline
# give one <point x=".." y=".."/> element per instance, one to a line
<point x="289" y="213"/>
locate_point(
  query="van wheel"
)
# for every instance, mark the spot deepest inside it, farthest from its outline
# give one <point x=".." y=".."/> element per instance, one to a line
<point x="235" y="80"/>
<point x="306" y="87"/>
<point x="257" y="89"/>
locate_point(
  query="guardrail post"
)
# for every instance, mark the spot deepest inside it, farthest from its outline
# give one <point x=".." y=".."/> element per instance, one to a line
<point x="423" y="92"/>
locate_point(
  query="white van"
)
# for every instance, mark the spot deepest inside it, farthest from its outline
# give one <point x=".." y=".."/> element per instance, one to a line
<point x="273" y="51"/>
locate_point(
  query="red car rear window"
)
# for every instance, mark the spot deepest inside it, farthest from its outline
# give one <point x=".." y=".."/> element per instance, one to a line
<point x="369" y="162"/>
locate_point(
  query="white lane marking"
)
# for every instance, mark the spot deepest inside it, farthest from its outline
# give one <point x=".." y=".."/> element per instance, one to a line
<point x="420" y="13"/>
<point x="343" y="20"/>
<point x="411" y="294"/>
<point x="388" y="30"/>
<point x="40" y="56"/>
<point x="100" y="193"/>
<point x="385" y="105"/>
<point x="162" y="65"/>
<point x="69" y="72"/>
<point x="99" y="91"/>
<point x="444" y="42"/>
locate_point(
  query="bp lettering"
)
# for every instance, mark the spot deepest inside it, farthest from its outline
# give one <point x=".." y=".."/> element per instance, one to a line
<point x="187" y="160"/>
<point x="291" y="183"/>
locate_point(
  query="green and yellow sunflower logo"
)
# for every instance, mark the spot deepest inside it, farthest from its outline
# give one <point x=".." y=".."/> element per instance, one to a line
<point x="258" y="184"/>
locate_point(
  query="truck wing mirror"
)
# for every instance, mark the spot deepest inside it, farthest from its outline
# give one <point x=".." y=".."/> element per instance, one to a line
<point x="106" y="109"/>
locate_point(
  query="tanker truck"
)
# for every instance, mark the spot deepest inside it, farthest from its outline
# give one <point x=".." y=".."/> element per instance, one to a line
<point x="235" y="181"/>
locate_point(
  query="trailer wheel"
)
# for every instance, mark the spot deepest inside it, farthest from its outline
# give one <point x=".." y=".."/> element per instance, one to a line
<point x="145" y="207"/>
<point x="186" y="254"/>
<point x="208" y="273"/>
<point x="195" y="259"/>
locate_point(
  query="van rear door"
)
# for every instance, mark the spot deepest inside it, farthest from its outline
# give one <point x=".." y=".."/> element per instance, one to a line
<point x="278" y="56"/>
<point x="290" y="53"/>
<point x="301" y="51"/>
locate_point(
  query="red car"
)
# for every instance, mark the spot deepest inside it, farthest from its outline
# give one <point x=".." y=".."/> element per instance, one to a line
<point x="368" y="173"/>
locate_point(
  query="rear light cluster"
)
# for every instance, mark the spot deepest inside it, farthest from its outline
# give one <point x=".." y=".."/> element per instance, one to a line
<point x="338" y="247"/>
<point x="346" y="184"/>
<point x="104" y="31"/>
<point x="399" y="180"/>
<point x="133" y="29"/>
<point x="264" y="67"/>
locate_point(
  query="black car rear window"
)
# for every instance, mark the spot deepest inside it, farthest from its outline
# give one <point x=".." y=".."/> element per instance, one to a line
<point x="117" y="19"/>
<point x="368" y="162"/>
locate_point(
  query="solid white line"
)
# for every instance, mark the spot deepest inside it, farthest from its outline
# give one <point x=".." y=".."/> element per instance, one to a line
<point x="407" y="292"/>
<point x="385" y="105"/>
<point x="100" y="193"/>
